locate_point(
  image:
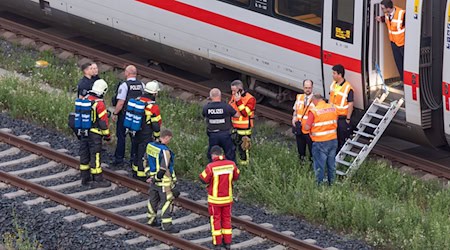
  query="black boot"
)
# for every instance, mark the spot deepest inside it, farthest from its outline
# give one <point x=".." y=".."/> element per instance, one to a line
<point x="85" y="177"/>
<point x="168" y="227"/>
<point x="227" y="246"/>
<point x="99" y="181"/>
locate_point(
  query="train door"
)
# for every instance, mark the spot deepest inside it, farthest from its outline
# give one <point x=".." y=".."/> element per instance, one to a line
<point x="342" y="28"/>
<point x="446" y="74"/>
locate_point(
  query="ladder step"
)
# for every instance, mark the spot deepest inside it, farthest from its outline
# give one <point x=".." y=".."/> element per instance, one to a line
<point x="375" y="115"/>
<point x="338" y="172"/>
<point x="368" y="124"/>
<point x="349" y="153"/>
<point x="348" y="164"/>
<point x="358" y="144"/>
<point x="364" y="134"/>
<point x="381" y="105"/>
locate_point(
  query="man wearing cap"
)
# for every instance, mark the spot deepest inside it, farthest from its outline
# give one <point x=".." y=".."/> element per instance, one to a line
<point x="150" y="127"/>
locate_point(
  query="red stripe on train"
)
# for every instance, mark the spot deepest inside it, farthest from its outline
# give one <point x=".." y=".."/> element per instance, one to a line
<point x="411" y="79"/>
<point x="446" y="94"/>
<point x="253" y="31"/>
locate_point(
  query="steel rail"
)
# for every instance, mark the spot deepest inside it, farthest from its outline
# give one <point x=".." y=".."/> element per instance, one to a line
<point x="118" y="62"/>
<point x="142" y="187"/>
<point x="101" y="213"/>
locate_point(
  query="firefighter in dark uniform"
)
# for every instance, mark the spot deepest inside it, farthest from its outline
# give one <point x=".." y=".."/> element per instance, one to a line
<point x="130" y="89"/>
<point x="85" y="83"/>
<point x="91" y="145"/>
<point x="218" y="122"/>
<point x="150" y="128"/>
<point x="244" y="104"/>
<point x="162" y="179"/>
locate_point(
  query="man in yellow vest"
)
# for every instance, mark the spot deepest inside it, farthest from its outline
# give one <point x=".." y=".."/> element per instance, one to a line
<point x="301" y="107"/>
<point x="394" y="17"/>
<point x="341" y="97"/>
<point x="244" y="104"/>
<point x="322" y="125"/>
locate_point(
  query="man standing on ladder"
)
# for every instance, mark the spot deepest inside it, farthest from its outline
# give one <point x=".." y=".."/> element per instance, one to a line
<point x="341" y="97"/>
<point x="394" y="17"/>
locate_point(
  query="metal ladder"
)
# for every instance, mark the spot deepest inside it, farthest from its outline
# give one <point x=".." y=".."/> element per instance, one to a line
<point x="371" y="126"/>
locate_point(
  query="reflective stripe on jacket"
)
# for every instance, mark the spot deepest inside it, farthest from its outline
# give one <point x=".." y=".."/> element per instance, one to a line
<point x="396" y="27"/>
<point x="300" y="110"/>
<point x="99" y="116"/>
<point x="324" y="127"/>
<point x="219" y="175"/>
<point x="246" y="109"/>
<point x="338" y="97"/>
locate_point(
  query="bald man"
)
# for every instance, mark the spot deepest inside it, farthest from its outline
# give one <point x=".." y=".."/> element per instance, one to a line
<point x="218" y="121"/>
<point x="130" y="89"/>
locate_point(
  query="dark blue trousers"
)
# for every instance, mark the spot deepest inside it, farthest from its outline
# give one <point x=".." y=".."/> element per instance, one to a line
<point x="223" y="139"/>
<point x="398" y="57"/>
<point x="119" y="154"/>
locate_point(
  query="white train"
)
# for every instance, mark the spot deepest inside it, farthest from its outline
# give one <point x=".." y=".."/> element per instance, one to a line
<point x="276" y="44"/>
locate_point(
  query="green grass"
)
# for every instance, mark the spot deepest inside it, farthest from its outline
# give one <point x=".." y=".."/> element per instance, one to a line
<point x="379" y="204"/>
<point x="19" y="238"/>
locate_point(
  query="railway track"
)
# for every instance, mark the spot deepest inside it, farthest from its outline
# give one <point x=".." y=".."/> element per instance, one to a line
<point x="403" y="158"/>
<point x="57" y="180"/>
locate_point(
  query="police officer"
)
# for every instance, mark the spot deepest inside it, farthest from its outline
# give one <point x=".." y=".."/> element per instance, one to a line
<point x="244" y="104"/>
<point x="341" y="97"/>
<point x="91" y="145"/>
<point x="218" y="122"/>
<point x="85" y="83"/>
<point x="130" y="89"/>
<point x="162" y="179"/>
<point x="94" y="71"/>
<point x="150" y="128"/>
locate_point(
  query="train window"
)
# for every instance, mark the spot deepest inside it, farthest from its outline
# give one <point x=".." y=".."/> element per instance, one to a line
<point x="307" y="11"/>
<point x="343" y="20"/>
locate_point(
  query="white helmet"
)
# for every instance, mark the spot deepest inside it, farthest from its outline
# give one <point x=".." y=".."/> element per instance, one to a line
<point x="100" y="87"/>
<point x="152" y="87"/>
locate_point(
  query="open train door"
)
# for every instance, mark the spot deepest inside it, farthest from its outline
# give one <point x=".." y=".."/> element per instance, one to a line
<point x="342" y="43"/>
<point x="446" y="74"/>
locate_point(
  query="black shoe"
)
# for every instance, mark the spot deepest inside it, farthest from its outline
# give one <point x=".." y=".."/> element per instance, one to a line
<point x="99" y="181"/>
<point x="170" y="229"/>
<point x="217" y="247"/>
<point x="116" y="163"/>
<point x="155" y="223"/>
<point x="227" y="246"/>
<point x="86" y="182"/>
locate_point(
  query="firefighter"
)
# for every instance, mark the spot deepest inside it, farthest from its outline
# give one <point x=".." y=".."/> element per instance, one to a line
<point x="91" y="145"/>
<point x="150" y="128"/>
<point x="394" y="17"/>
<point x="162" y="179"/>
<point x="322" y="125"/>
<point x="130" y="89"/>
<point x="341" y="97"/>
<point x="218" y="122"/>
<point x="301" y="107"/>
<point x="85" y="83"/>
<point x="244" y="104"/>
<point x="219" y="175"/>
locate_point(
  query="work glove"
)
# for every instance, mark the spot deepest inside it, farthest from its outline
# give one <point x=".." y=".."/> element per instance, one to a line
<point x="246" y="143"/>
<point x="160" y="174"/>
<point x="175" y="192"/>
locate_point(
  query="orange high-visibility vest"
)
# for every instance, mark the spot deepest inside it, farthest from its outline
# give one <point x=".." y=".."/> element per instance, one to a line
<point x="303" y="110"/>
<point x="324" y="127"/>
<point x="396" y="28"/>
<point x="338" y="97"/>
<point x="243" y="122"/>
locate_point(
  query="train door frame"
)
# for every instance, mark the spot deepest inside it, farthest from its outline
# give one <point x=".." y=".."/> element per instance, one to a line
<point x="342" y="43"/>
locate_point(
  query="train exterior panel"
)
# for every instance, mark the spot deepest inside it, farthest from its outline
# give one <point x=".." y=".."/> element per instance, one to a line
<point x="446" y="75"/>
<point x="277" y="43"/>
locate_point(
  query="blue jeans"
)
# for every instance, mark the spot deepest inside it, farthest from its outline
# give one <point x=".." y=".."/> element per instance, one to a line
<point x="324" y="153"/>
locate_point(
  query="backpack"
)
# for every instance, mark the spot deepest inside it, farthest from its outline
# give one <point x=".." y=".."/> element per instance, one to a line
<point x="132" y="93"/>
<point x="134" y="115"/>
<point x="80" y="121"/>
